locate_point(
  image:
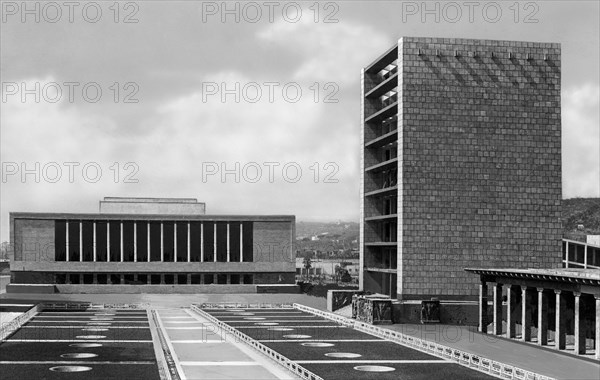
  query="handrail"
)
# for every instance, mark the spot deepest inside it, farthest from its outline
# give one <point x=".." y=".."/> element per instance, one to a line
<point x="291" y="366"/>
<point x="235" y="305"/>
<point x="473" y="361"/>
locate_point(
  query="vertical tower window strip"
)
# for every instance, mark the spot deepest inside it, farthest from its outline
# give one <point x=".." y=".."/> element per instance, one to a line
<point x="95" y="253"/>
<point x="228" y="245"/>
<point x="67" y="240"/>
<point x="80" y="240"/>
<point x="189" y="238"/>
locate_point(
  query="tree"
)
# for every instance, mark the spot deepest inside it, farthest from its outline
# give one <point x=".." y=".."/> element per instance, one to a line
<point x="346" y="277"/>
<point x="307" y="265"/>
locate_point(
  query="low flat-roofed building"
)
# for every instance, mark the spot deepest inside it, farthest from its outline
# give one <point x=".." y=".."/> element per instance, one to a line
<point x="151" y="249"/>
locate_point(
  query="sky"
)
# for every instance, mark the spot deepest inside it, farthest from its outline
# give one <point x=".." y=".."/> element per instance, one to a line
<point x="251" y="107"/>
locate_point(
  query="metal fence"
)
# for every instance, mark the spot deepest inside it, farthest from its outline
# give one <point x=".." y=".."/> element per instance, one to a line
<point x="476" y="362"/>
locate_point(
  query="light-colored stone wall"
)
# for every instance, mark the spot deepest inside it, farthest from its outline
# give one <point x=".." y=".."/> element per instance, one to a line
<point x="166" y="208"/>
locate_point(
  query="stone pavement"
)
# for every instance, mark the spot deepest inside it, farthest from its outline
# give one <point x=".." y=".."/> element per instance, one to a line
<point x="526" y="356"/>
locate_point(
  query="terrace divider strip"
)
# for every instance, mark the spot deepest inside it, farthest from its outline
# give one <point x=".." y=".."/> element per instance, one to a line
<point x="161" y="350"/>
<point x="9" y="328"/>
<point x="288" y="364"/>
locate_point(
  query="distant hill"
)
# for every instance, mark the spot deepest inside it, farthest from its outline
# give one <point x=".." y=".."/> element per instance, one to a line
<point x="580" y="212"/>
<point x="325" y="237"/>
<point x="309" y="229"/>
<point x="575" y="212"/>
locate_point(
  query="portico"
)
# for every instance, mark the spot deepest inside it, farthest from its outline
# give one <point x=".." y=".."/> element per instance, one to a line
<point x="553" y="303"/>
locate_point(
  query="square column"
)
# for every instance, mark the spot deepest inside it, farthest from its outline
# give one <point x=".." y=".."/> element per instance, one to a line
<point x="497" y="298"/>
<point x="228" y="246"/>
<point x="95" y="278"/>
<point x="162" y="279"/>
<point x="80" y="241"/>
<point x="148" y="246"/>
<point x="215" y="243"/>
<point x="189" y="251"/>
<point x="597" y="340"/>
<point x="542" y="332"/>
<point x="511" y="328"/>
<point x="135" y="242"/>
<point x="67" y="241"/>
<point x="121" y="241"/>
<point x="95" y="253"/>
<point x="107" y="241"/>
<point x="483" y="304"/>
<point x="201" y="242"/>
<point x="175" y="242"/>
<point x="188" y="277"/>
<point x="560" y="330"/>
<point x="162" y="248"/>
<point x="525" y="314"/>
<point x="241" y="242"/>
<point x="579" y="325"/>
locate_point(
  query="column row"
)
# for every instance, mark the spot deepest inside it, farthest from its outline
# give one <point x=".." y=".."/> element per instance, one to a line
<point x="146" y="241"/>
<point x="539" y="305"/>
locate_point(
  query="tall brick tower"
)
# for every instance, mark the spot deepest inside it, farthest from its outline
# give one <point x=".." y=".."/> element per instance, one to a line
<point x="461" y="164"/>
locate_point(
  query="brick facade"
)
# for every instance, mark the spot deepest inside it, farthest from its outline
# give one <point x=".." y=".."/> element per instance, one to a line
<point x="479" y="162"/>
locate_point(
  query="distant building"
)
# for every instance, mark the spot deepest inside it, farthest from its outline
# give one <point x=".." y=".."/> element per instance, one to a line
<point x="461" y="164"/>
<point x="151" y="242"/>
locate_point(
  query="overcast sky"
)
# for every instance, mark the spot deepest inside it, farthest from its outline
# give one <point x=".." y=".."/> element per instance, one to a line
<point x="161" y="128"/>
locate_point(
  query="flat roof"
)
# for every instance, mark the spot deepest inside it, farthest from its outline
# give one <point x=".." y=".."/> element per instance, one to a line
<point x="557" y="274"/>
<point x="148" y="200"/>
<point x="174" y="217"/>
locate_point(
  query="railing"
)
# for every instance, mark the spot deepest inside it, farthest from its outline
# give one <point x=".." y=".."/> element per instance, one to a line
<point x="234" y="305"/>
<point x="334" y="317"/>
<point x="65" y="305"/>
<point x="476" y="362"/>
<point x="291" y="366"/>
<point x="9" y="328"/>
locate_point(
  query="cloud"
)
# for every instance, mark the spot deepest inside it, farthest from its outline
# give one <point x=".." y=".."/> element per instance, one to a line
<point x="196" y="133"/>
<point x="53" y="143"/>
<point x="330" y="52"/>
<point x="580" y="141"/>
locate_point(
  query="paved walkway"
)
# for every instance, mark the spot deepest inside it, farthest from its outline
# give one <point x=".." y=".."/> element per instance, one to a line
<point x="201" y="351"/>
<point x="522" y="355"/>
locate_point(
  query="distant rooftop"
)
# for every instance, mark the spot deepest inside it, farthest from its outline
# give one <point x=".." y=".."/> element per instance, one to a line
<point x="163" y="206"/>
<point x="149" y="200"/>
